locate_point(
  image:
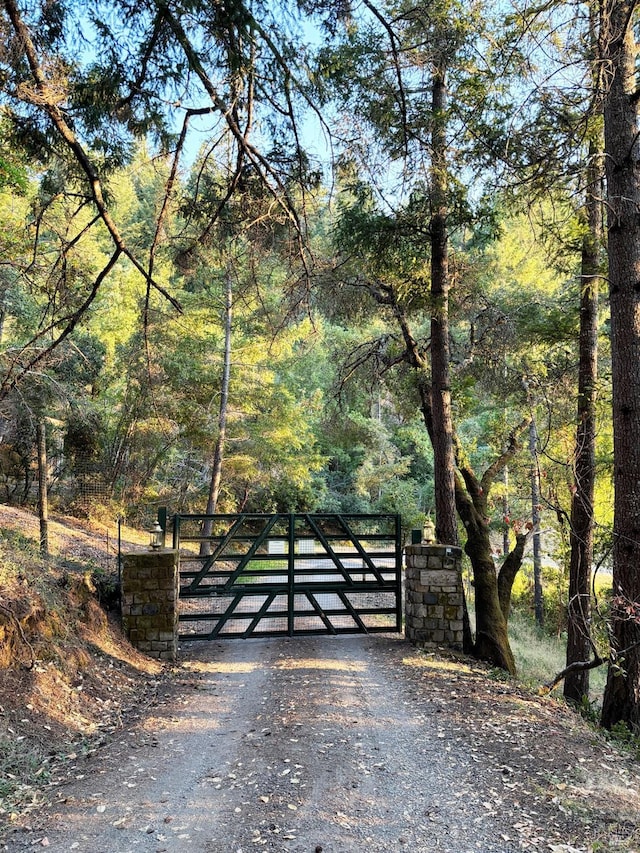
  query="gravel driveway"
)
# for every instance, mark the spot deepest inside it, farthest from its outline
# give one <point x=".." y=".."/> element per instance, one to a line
<point x="324" y="744"/>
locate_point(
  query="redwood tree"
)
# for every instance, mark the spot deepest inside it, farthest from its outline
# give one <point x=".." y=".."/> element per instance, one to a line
<point x="579" y="641"/>
<point x="619" y="51"/>
<point x="442" y="433"/>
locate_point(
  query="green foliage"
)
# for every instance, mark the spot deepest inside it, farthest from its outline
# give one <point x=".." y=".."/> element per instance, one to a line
<point x="12" y="175"/>
<point x="323" y="412"/>
<point x="403" y="497"/>
<point x="79" y="364"/>
<point x="540" y="656"/>
<point x="554" y="585"/>
<point x="623" y="735"/>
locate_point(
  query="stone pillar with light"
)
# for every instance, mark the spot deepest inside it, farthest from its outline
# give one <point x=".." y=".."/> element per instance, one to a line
<point x="434" y="596"/>
<point x="150" y="598"/>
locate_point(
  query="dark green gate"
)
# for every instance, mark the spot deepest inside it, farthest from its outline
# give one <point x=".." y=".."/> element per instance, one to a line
<point x="254" y="575"/>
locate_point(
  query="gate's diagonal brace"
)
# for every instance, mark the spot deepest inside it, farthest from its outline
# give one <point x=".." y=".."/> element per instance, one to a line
<point x="328" y="549"/>
<point x="233" y="577"/>
<point x="363" y="554"/>
<point x="195" y="582"/>
<point x="352" y="611"/>
<point x="224" y="617"/>
<point x="327" y="622"/>
<point x="229" y="536"/>
<point x="258" y="616"/>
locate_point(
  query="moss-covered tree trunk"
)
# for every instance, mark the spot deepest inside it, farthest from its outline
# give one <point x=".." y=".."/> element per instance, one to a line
<point x="508" y="573"/>
<point x="491" y="640"/>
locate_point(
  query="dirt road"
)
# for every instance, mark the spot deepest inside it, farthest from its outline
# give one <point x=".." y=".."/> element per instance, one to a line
<point x="333" y="744"/>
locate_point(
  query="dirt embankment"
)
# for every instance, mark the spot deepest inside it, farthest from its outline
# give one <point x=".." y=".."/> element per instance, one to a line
<point x="68" y="679"/>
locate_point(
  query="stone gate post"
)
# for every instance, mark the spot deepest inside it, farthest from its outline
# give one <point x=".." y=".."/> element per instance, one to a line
<point x="150" y="602"/>
<point x="434" y="598"/>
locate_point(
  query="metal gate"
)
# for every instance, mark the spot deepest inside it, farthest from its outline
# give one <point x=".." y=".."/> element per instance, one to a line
<point x="255" y="575"/>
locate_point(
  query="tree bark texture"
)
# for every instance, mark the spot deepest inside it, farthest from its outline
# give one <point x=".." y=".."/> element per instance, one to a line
<point x="43" y="487"/>
<point x="579" y="648"/>
<point x="492" y="639"/>
<point x="443" y="452"/>
<point x="508" y="572"/>
<point x="622" y="694"/>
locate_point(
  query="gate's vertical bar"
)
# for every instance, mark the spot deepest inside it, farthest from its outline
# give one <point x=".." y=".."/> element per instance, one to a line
<point x="398" y="533"/>
<point x="176" y="547"/>
<point x="162" y="521"/>
<point x="291" y="595"/>
<point x="176" y="532"/>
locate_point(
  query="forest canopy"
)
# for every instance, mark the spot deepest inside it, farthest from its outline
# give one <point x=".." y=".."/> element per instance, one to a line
<point x="335" y="257"/>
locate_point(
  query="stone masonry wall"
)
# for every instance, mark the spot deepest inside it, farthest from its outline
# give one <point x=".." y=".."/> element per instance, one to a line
<point x="150" y="602"/>
<point x="433" y="595"/>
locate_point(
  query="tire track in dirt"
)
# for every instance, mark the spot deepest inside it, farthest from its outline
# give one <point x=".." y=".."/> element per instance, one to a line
<point x="301" y="745"/>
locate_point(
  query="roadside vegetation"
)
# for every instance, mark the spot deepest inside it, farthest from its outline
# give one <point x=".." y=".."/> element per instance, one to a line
<point x="309" y="257"/>
<point x="68" y="679"/>
<point x="540" y="656"/>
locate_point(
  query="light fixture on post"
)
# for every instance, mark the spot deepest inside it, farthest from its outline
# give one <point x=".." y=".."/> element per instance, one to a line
<point x="428" y="532"/>
<point x="155" y="537"/>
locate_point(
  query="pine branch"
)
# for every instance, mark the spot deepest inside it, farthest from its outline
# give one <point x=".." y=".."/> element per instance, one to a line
<point x="12" y="378"/>
<point x="47" y="97"/>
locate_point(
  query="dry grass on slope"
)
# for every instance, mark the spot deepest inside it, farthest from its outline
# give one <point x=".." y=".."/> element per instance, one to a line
<point x="67" y="676"/>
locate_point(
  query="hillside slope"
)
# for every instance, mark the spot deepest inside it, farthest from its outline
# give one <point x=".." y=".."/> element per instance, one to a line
<point x="68" y="679"/>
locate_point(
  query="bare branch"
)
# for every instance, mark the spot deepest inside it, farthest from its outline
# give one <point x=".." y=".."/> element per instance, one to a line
<point x="17" y="371"/>
<point x="576" y="666"/>
<point x="48" y="97"/>
<point x="263" y="167"/>
<point x="393" y="41"/>
<point x="498" y="464"/>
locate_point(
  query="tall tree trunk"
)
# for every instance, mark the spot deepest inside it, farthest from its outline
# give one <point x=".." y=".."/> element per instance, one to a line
<point x="538" y="602"/>
<point x="622" y="694"/>
<point x="442" y="439"/>
<point x="43" y="493"/>
<point x="218" y="453"/>
<point x="576" y="683"/>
